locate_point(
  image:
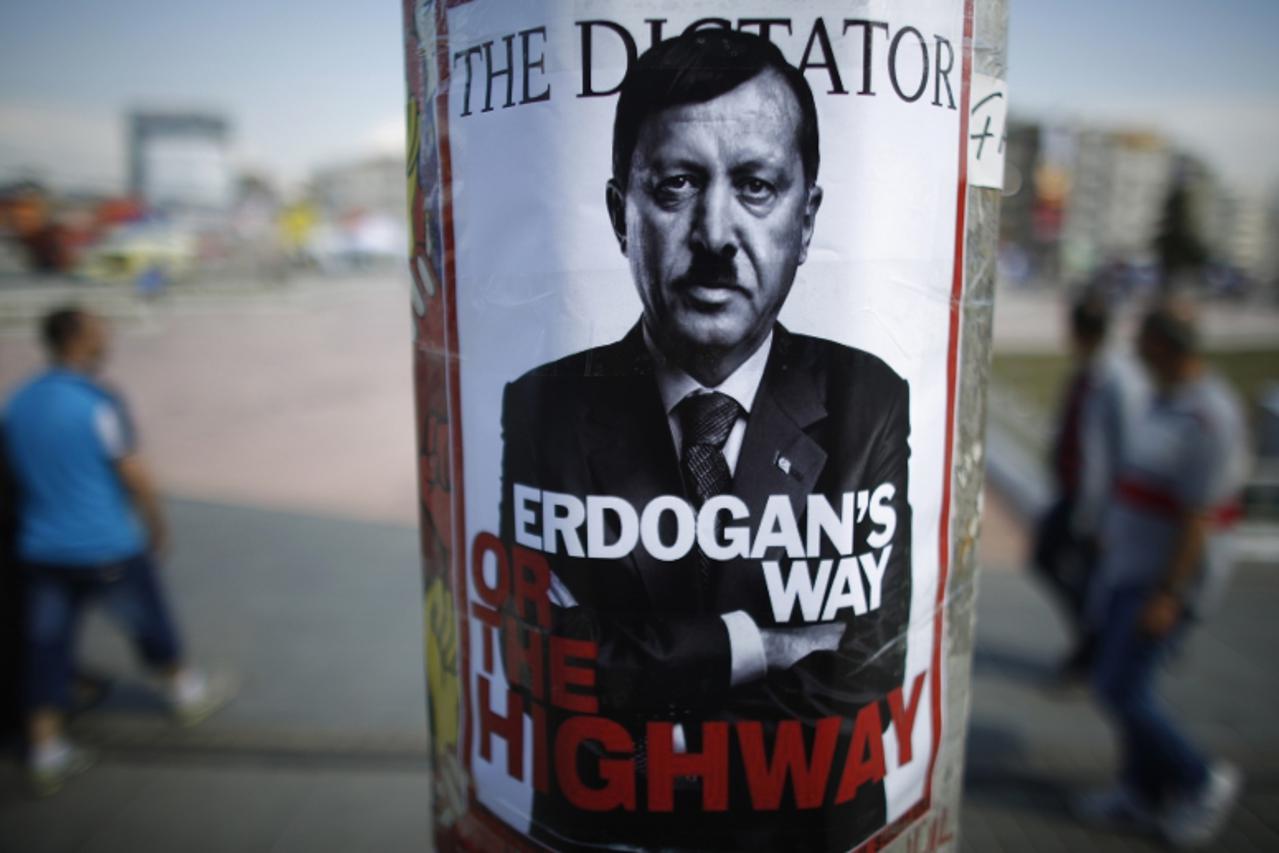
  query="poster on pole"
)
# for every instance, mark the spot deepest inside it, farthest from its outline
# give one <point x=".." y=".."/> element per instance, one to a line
<point x="686" y="282"/>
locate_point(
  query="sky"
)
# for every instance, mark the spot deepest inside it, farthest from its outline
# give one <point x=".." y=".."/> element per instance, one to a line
<point x="308" y="84"/>
<point x="1204" y="73"/>
<point x="303" y="83"/>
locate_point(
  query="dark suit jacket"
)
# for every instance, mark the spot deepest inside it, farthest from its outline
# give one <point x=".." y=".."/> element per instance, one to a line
<point x="593" y="424"/>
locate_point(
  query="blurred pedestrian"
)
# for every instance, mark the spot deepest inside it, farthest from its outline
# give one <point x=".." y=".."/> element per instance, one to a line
<point x="89" y="530"/>
<point x="11" y="621"/>
<point x="1100" y="403"/>
<point x="1164" y="562"/>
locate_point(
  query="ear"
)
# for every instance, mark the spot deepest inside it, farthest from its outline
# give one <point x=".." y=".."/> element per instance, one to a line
<point x="811" y="204"/>
<point x="615" y="200"/>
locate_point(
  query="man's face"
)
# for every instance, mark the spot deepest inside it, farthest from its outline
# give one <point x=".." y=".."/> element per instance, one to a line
<point x="1155" y="357"/>
<point x="94" y="342"/>
<point x="717" y="218"/>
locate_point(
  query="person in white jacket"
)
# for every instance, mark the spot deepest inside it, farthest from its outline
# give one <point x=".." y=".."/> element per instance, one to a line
<point x="1101" y="401"/>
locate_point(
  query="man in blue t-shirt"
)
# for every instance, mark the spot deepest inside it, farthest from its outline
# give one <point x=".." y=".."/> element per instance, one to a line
<point x="89" y="528"/>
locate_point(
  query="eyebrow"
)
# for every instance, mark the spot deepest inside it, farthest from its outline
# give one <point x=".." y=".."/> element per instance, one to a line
<point x="757" y="164"/>
<point x="664" y="164"/>
<point x="752" y="164"/>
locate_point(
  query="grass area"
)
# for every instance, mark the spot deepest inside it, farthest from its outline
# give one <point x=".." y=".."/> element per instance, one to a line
<point x="1037" y="379"/>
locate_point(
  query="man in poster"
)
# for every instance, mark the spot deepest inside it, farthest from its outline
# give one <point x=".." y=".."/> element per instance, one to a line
<point x="713" y="201"/>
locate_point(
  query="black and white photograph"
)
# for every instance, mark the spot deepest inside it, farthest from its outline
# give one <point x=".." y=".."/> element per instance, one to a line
<point x="703" y="474"/>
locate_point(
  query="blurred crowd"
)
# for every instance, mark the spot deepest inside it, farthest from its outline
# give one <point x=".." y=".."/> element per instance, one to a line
<point x="1150" y="459"/>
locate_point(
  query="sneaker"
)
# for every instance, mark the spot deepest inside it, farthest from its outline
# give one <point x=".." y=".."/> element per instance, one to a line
<point x="201" y="696"/>
<point x="1115" y="808"/>
<point x="1194" y="820"/>
<point x="48" y="778"/>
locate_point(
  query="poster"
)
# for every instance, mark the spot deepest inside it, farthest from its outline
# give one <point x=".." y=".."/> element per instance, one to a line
<point x="686" y="277"/>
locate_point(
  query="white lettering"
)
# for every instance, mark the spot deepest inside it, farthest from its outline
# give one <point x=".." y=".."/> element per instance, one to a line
<point x="799" y="585"/>
<point x="596" y="525"/>
<point x="846" y="591"/>
<point x="736" y="541"/>
<point x="685" y="524"/>
<point x="883" y="514"/>
<point x="778" y="528"/>
<point x="874" y="570"/>
<point x="822" y="519"/>
<point x="525" y="517"/>
<point x="563" y="514"/>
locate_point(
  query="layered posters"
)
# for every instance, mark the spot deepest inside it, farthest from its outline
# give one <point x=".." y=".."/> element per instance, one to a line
<point x="686" y="281"/>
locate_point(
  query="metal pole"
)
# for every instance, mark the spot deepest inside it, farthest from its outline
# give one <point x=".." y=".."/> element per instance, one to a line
<point x="465" y="87"/>
<point x="940" y="829"/>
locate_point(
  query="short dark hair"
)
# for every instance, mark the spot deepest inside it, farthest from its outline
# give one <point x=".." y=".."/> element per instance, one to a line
<point x="59" y="327"/>
<point x="1090" y="317"/>
<point x="1172" y="323"/>
<point x="697" y="67"/>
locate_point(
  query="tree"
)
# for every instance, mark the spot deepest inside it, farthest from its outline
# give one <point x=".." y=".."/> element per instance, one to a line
<point x="1179" y="243"/>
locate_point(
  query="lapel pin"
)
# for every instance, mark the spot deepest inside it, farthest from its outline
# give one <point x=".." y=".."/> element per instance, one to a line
<point x="783" y="463"/>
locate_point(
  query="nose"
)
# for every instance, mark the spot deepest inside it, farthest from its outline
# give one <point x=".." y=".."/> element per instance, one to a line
<point x="713" y="227"/>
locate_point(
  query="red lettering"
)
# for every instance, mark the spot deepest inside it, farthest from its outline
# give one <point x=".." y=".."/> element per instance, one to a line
<point x="565" y="675"/>
<point x="524" y="662"/>
<point x="532" y="584"/>
<point x="904" y="718"/>
<point x="932" y="835"/>
<point x="493" y="594"/>
<point x="664" y="764"/>
<point x="859" y="767"/>
<point x="618" y="790"/>
<point x="492" y="619"/>
<point x="808" y="777"/>
<point x="509" y="728"/>
<point x="941" y="834"/>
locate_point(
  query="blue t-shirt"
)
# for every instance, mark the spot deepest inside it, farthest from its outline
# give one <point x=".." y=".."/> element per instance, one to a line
<point x="63" y="434"/>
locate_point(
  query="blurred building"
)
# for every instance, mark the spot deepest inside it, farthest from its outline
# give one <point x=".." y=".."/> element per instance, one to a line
<point x="372" y="184"/>
<point x="356" y="214"/>
<point x="1022" y="251"/>
<point x="1088" y="203"/>
<point x="1244" y="228"/>
<point x="180" y="161"/>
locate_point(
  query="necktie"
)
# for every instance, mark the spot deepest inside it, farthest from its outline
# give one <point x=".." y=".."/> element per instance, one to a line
<point x="705" y="422"/>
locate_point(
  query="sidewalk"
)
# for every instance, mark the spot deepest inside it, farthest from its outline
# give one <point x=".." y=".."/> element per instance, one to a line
<point x="325" y="747"/>
<point x="1032" y="746"/>
<point x="298" y="399"/>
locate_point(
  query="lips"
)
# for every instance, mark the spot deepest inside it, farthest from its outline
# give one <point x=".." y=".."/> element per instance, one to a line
<point x="711" y="297"/>
<point x="709" y="293"/>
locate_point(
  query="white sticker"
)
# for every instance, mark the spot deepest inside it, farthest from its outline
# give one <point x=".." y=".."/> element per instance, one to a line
<point x="987" y="132"/>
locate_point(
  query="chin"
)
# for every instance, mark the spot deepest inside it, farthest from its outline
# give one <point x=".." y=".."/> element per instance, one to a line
<point x="707" y="341"/>
<point x="720" y="330"/>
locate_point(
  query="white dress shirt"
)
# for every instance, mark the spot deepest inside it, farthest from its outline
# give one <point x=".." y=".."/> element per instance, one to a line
<point x="745" y="643"/>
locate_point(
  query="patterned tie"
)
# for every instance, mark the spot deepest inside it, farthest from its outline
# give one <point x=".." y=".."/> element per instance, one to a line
<point x="705" y="422"/>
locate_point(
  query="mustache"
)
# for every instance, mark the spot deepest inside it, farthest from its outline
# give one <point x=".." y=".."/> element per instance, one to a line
<point x="708" y="270"/>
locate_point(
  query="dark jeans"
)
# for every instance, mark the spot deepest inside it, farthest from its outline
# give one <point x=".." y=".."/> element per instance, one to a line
<point x="55" y="596"/>
<point x="1157" y="759"/>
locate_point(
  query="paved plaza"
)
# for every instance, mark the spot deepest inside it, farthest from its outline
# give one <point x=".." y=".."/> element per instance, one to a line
<point x="284" y="436"/>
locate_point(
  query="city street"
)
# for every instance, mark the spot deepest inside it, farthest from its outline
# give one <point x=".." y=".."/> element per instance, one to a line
<point x="280" y="424"/>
